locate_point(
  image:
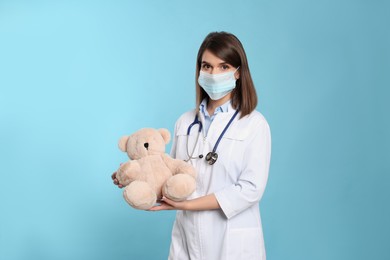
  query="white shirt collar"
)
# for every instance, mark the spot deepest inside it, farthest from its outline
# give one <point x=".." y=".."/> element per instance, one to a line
<point x="221" y="109"/>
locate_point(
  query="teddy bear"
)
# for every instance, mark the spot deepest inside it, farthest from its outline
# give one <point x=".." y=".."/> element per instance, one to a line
<point x="151" y="173"/>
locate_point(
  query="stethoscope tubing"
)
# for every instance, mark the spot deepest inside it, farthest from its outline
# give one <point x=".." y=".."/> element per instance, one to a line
<point x="212" y="154"/>
<point x="196" y="122"/>
<point x="224" y="130"/>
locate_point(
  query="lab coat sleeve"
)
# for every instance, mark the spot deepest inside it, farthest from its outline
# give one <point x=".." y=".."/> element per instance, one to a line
<point x="174" y="142"/>
<point x="250" y="186"/>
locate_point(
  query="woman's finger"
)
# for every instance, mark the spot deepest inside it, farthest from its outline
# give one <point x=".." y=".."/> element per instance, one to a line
<point x="163" y="206"/>
<point x="169" y="201"/>
<point x="182" y="205"/>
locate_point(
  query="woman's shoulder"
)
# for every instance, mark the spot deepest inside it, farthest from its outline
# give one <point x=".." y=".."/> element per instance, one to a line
<point x="186" y="118"/>
<point x="256" y="118"/>
<point x="248" y="126"/>
<point x="187" y="114"/>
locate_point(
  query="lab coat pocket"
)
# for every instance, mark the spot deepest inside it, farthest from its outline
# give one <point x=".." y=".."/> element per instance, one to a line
<point x="231" y="150"/>
<point x="237" y="134"/>
<point x="245" y="243"/>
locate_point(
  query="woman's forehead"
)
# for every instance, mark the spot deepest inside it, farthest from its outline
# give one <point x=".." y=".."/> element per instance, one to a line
<point x="209" y="57"/>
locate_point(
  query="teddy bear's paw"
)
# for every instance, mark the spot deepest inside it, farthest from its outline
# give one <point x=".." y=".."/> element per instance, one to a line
<point x="122" y="177"/>
<point x="179" y="187"/>
<point x="140" y="195"/>
<point x="127" y="172"/>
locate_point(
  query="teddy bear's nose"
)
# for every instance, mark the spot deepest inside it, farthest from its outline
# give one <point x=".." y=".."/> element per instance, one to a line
<point x="146" y="145"/>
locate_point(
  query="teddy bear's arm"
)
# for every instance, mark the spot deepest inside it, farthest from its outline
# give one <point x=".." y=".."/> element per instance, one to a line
<point x="178" y="166"/>
<point x="128" y="172"/>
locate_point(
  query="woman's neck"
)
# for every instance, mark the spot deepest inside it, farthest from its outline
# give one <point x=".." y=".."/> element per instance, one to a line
<point x="213" y="104"/>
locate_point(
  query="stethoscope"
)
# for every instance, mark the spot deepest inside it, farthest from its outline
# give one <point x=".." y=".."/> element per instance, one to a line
<point x="212" y="156"/>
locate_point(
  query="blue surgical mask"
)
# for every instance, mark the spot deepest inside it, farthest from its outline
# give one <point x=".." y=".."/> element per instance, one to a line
<point x="217" y="85"/>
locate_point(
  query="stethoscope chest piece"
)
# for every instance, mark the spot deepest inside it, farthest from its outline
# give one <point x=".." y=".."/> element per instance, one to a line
<point x="211" y="158"/>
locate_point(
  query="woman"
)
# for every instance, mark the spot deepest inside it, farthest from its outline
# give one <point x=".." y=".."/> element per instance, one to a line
<point x="221" y="219"/>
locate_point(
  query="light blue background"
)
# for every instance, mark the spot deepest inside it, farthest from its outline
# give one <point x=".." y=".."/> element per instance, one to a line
<point x="77" y="75"/>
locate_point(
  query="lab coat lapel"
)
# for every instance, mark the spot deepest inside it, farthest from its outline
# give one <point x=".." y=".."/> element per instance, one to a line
<point x="219" y="123"/>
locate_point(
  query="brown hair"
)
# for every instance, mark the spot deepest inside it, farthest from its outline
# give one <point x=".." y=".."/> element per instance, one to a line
<point x="228" y="47"/>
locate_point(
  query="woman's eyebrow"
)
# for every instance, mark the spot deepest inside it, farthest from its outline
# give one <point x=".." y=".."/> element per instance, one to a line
<point x="222" y="63"/>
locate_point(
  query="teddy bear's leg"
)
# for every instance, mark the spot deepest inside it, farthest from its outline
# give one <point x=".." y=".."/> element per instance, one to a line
<point x="179" y="187"/>
<point x="140" y="195"/>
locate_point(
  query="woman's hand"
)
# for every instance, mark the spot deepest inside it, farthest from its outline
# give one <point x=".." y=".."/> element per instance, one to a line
<point x="167" y="204"/>
<point x="115" y="180"/>
<point x="202" y="203"/>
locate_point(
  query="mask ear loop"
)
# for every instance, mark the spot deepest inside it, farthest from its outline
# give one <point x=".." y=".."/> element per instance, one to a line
<point x="235" y="73"/>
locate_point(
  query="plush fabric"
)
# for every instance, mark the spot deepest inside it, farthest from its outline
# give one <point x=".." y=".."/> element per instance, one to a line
<point x="151" y="173"/>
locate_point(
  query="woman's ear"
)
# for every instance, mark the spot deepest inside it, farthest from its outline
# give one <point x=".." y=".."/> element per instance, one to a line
<point x="165" y="134"/>
<point x="122" y="144"/>
<point x="237" y="73"/>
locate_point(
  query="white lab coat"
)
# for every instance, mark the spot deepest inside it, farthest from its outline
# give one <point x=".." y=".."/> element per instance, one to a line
<point x="237" y="179"/>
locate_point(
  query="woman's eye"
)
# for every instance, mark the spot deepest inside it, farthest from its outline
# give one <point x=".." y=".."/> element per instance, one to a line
<point x="225" y="67"/>
<point x="205" y="66"/>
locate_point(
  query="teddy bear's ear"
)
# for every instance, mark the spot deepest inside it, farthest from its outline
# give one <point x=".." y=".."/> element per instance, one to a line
<point x="123" y="143"/>
<point x="165" y="134"/>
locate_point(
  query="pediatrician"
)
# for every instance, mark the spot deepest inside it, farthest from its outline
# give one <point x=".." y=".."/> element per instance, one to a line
<point x="229" y="144"/>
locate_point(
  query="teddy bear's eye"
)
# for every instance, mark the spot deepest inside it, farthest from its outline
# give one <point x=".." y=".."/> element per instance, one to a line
<point x="146" y="145"/>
